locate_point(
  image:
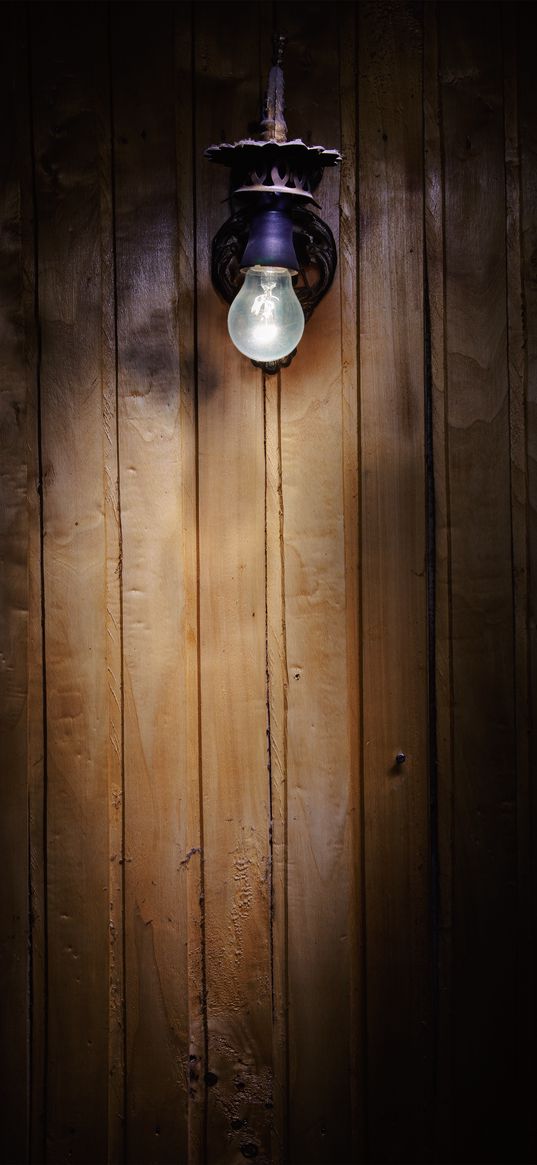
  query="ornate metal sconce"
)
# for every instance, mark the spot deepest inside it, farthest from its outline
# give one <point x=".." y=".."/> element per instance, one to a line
<point x="273" y="235"/>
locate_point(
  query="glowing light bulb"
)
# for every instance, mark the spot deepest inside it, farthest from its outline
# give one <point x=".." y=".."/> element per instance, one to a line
<point x="266" y="320"/>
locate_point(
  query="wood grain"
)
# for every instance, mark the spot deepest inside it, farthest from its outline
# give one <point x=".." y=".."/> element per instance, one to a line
<point x="70" y="72"/>
<point x="321" y="786"/>
<point x="233" y="648"/>
<point x="525" y="584"/>
<point x="484" y="754"/>
<point x="15" y="422"/>
<point x="159" y="634"/>
<point x="394" y="598"/>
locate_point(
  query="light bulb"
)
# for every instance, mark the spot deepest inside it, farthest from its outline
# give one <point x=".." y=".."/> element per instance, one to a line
<point x="266" y="320"/>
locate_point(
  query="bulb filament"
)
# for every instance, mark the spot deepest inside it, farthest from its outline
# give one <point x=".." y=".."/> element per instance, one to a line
<point x="264" y="305"/>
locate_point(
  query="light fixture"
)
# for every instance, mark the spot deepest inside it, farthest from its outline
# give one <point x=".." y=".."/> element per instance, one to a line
<point x="273" y="237"/>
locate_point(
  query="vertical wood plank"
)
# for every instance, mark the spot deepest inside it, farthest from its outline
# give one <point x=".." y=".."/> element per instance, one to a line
<point x="114" y="649"/>
<point x="348" y="279"/>
<point x="319" y="513"/>
<point x="277" y="685"/>
<point x="394" y="617"/>
<point x="158" y="554"/>
<point x="233" y="648"/>
<point x="516" y="342"/>
<point x="484" y="755"/>
<point x="277" y="713"/>
<point x="70" y="116"/>
<point x="36" y="722"/>
<point x="192" y="867"/>
<point x="443" y="677"/>
<point x="527" y="465"/>
<point x="16" y="421"/>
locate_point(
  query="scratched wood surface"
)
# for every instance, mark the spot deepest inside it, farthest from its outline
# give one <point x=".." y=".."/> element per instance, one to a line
<point x="231" y="927"/>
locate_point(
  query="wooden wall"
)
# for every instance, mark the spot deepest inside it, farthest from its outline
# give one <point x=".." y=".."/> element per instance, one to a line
<point x="231" y="926"/>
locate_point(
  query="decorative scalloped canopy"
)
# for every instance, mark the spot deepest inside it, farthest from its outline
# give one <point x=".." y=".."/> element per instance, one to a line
<point x="274" y="167"/>
<point x="226" y="153"/>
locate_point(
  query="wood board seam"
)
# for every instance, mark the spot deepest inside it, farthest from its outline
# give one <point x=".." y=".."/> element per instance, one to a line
<point x="350" y="368"/>
<point x="361" y="653"/>
<point x="121" y="629"/>
<point x="41" y="1152"/>
<point x="431" y="599"/>
<point x="435" y="221"/>
<point x="203" y="930"/>
<point x="275" y="627"/>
